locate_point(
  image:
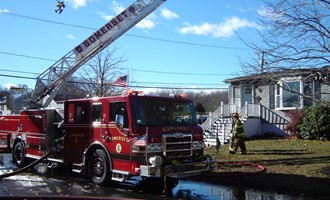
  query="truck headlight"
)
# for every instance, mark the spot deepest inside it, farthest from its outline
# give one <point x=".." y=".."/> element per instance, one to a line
<point x="198" y="145"/>
<point x="155" y="147"/>
<point x="156" y="161"/>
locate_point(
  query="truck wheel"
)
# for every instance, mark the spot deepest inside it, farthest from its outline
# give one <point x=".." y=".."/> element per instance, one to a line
<point x="19" y="154"/>
<point x="99" y="167"/>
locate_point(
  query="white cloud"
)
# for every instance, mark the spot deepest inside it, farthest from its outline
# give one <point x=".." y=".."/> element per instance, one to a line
<point x="147" y="23"/>
<point x="269" y="13"/>
<point x="4" y="11"/>
<point x="222" y="30"/>
<point x="8" y="85"/>
<point x="167" y="14"/>
<point x="117" y="7"/>
<point x="77" y="3"/>
<point x="105" y="16"/>
<point x="71" y="37"/>
<point x="149" y="90"/>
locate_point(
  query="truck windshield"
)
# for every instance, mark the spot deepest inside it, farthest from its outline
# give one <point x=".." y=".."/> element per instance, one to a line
<point x="163" y="112"/>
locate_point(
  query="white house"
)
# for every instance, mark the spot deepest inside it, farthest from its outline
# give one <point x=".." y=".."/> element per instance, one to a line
<point x="263" y="99"/>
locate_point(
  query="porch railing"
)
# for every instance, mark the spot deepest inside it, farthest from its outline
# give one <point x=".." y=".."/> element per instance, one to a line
<point x="249" y="110"/>
<point x="224" y="110"/>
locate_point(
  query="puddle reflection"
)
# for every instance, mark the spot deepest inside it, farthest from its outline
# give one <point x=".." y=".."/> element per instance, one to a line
<point x="193" y="190"/>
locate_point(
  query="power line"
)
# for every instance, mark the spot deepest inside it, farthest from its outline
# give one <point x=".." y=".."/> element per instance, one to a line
<point x="178" y="88"/>
<point x="175" y="73"/>
<point x="26" y="56"/>
<point x="138" y="70"/>
<point x="13" y="76"/>
<point x="137" y="86"/>
<point x="180" y="83"/>
<point x="143" y="37"/>
<point x="44" y="20"/>
<point x="131" y="35"/>
<point x="16" y="71"/>
<point x="137" y="36"/>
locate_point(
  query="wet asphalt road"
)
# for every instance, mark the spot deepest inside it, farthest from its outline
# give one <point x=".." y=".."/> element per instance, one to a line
<point x="62" y="184"/>
<point x="50" y="186"/>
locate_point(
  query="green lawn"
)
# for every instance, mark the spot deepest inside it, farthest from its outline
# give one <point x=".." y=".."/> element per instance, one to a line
<point x="292" y="166"/>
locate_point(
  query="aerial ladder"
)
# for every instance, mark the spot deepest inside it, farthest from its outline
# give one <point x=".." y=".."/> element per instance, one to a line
<point x="50" y="82"/>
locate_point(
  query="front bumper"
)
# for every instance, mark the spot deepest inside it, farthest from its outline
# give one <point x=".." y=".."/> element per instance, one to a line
<point x="178" y="170"/>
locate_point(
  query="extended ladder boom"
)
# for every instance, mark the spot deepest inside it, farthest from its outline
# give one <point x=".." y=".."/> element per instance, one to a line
<point x="50" y="81"/>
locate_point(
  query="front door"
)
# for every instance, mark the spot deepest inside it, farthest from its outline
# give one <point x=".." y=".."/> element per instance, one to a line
<point x="246" y="95"/>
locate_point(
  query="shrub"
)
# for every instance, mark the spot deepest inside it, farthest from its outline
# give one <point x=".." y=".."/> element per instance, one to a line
<point x="296" y="117"/>
<point x="315" y="123"/>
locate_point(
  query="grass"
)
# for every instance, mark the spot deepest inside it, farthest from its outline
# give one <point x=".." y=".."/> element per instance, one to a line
<point x="299" y="167"/>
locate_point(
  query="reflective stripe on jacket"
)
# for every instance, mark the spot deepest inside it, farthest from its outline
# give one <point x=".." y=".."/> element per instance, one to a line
<point x="238" y="129"/>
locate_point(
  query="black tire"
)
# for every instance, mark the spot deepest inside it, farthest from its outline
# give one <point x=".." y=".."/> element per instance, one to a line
<point x="19" y="155"/>
<point x="99" y="167"/>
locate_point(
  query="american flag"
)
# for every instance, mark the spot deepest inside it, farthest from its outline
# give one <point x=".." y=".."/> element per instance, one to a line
<point x="121" y="81"/>
<point x="138" y="141"/>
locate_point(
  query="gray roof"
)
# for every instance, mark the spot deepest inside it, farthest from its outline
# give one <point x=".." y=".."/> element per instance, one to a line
<point x="272" y="76"/>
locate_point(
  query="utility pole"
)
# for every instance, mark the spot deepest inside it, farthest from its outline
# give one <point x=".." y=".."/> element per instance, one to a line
<point x="262" y="60"/>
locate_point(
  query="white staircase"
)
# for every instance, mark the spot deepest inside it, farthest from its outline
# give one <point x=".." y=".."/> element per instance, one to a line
<point x="219" y="123"/>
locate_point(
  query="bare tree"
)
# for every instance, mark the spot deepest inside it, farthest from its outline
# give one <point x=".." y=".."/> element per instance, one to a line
<point x="100" y="72"/>
<point x="295" y="34"/>
<point x="166" y="92"/>
<point x="209" y="101"/>
<point x="3" y="92"/>
<point x="72" y="90"/>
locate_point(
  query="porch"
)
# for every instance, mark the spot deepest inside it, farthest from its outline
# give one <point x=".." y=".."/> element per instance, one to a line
<point x="258" y="120"/>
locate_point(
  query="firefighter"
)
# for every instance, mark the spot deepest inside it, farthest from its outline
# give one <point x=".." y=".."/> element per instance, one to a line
<point x="238" y="135"/>
<point x="231" y="140"/>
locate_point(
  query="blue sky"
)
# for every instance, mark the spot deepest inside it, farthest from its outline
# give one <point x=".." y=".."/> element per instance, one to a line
<point x="184" y="43"/>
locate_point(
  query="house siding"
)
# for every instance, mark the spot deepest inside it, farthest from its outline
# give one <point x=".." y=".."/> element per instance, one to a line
<point x="325" y="92"/>
<point x="262" y="93"/>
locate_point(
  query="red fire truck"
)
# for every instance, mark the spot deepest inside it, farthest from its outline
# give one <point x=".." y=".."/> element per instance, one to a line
<point x="108" y="138"/>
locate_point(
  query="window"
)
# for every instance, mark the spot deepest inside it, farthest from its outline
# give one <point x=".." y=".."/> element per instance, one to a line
<point x="118" y="108"/>
<point x="97" y="112"/>
<point x="248" y="90"/>
<point x="278" y="96"/>
<point x="272" y="96"/>
<point x="308" y="92"/>
<point x="78" y="112"/>
<point x="288" y="92"/>
<point x="154" y="112"/>
<point x="236" y="94"/>
<point x="81" y="113"/>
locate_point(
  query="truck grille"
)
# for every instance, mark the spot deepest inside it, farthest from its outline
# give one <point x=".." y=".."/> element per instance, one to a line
<point x="177" y="145"/>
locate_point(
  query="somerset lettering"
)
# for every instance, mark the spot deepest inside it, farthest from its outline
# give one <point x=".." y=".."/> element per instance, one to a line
<point x="105" y="29"/>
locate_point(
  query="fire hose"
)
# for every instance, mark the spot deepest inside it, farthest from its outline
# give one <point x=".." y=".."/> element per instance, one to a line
<point x="57" y="142"/>
<point x="28" y="166"/>
<point x="237" y="163"/>
<point x="260" y="168"/>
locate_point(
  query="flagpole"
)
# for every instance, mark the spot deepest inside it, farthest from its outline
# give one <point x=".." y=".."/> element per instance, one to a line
<point x="127" y="82"/>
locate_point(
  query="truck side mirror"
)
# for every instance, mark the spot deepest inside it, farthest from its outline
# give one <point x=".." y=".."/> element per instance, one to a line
<point x="120" y="121"/>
